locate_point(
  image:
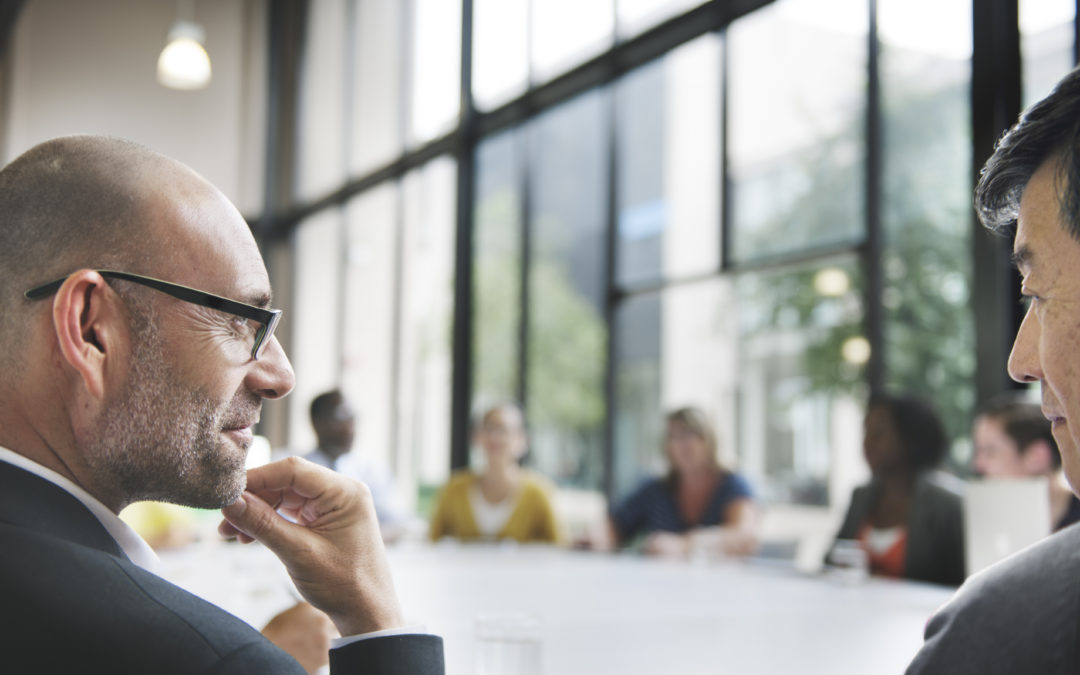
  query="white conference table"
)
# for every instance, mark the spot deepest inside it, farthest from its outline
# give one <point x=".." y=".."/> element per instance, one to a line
<point x="601" y="613"/>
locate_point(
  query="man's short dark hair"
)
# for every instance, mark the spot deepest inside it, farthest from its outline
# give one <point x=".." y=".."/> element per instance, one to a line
<point x="1049" y="129"/>
<point x="919" y="429"/>
<point x="324" y="405"/>
<point x="1023" y="422"/>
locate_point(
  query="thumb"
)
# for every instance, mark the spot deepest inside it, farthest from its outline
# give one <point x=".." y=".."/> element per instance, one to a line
<point x="253" y="517"/>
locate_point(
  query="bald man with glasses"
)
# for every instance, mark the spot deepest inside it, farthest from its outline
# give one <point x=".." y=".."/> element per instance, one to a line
<point x="136" y="348"/>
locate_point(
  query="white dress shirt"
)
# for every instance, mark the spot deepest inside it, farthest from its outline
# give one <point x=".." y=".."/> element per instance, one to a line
<point x="134" y="546"/>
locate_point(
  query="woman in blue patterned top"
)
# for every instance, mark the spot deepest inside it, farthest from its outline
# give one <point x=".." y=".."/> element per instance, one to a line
<point x="699" y="506"/>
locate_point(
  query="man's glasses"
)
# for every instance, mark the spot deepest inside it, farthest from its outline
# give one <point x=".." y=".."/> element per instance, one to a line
<point x="267" y="318"/>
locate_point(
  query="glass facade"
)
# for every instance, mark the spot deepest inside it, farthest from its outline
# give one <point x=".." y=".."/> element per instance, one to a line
<point x="668" y="182"/>
<point x="497" y="280"/>
<point x="926" y="205"/>
<point x="693" y="226"/>
<point x="796" y="147"/>
<point x="1047" y="31"/>
<point x="566" y="332"/>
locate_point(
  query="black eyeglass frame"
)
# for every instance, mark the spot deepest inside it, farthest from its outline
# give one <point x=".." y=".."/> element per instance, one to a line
<point x="268" y="318"/>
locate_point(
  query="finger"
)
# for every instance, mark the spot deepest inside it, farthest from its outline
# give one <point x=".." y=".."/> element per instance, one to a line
<point x="226" y="530"/>
<point x="292" y="474"/>
<point x="301" y="488"/>
<point x="251" y="517"/>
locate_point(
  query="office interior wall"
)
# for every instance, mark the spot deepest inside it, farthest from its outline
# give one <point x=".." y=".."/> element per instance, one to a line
<point x="89" y="67"/>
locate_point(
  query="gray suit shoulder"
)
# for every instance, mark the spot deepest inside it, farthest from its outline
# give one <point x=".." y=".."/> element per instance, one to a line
<point x="1021" y="615"/>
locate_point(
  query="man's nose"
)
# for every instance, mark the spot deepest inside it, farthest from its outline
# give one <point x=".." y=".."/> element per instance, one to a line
<point x="272" y="375"/>
<point x="1024" y="359"/>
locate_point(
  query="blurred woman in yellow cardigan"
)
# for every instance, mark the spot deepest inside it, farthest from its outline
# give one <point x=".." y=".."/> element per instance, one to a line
<point x="504" y="500"/>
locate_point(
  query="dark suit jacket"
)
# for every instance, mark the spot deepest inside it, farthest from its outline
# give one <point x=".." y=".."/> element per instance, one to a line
<point x="935" y="529"/>
<point x="71" y="602"/>
<point x="1021" y="615"/>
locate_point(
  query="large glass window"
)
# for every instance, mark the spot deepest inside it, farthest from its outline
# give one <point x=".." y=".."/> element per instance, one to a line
<point x="800" y="357"/>
<point x="767" y="335"/>
<point x="926" y="204"/>
<point x="675" y="348"/>
<point x="796" y="102"/>
<point x="635" y="16"/>
<point x="500" y="51"/>
<point x="774" y="358"/>
<point x="369" y="342"/>
<point x="321" y="165"/>
<point x="375" y="125"/>
<point x="436" y="74"/>
<point x="668" y="178"/>
<point x="497" y="271"/>
<point x="567" y="32"/>
<point x="567" y="292"/>
<point x="395" y="339"/>
<point x="426" y="306"/>
<point x="1047" y="34"/>
<point x="313" y="317"/>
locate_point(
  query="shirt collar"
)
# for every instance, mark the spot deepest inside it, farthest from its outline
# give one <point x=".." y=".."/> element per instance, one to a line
<point x="134" y="546"/>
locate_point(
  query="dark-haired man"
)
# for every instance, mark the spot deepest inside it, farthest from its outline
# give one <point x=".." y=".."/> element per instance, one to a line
<point x="1023" y="614"/>
<point x="334" y="422"/>
<point x="136" y="348"/>
<point x="1013" y="439"/>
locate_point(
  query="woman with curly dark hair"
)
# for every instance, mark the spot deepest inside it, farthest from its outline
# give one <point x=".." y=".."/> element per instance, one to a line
<point x="908" y="518"/>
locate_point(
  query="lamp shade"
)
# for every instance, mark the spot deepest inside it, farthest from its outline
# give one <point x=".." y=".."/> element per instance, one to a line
<point x="184" y="63"/>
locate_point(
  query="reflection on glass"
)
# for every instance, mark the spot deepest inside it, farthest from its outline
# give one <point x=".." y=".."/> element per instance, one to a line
<point x="667" y="117"/>
<point x="800" y="380"/>
<point x="796" y="101"/>
<point x="1047" y="33"/>
<point x="500" y="57"/>
<point x="369" y="334"/>
<point x="496" y="291"/>
<point x="321" y="160"/>
<point x="436" y="82"/>
<point x="635" y="16"/>
<point x="375" y="127"/>
<point x="426" y="315"/>
<point x="926" y="204"/>
<point x="568" y="32"/>
<point x="566" y="333"/>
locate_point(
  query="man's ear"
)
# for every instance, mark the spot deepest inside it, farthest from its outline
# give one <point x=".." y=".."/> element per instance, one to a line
<point x="1037" y="458"/>
<point x="90" y="327"/>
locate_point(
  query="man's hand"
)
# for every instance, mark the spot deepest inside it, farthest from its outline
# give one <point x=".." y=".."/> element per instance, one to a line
<point x="305" y="633"/>
<point x="333" y="551"/>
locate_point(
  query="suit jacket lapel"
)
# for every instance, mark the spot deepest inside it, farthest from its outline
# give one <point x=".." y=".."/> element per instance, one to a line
<point x="29" y="501"/>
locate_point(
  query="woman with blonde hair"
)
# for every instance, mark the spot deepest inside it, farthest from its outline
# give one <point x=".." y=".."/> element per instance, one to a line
<point x="698" y="506"/>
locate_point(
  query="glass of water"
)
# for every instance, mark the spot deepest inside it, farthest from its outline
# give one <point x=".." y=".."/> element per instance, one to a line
<point x="507" y="643"/>
<point x="848" y="562"/>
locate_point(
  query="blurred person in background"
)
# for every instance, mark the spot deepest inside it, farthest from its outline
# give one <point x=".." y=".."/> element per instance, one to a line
<point x="908" y="518"/>
<point x="699" y="506"/>
<point x="1014" y="440"/>
<point x="503" y="500"/>
<point x="334" y="422"/>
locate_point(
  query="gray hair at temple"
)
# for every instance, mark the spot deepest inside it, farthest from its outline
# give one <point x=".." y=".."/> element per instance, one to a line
<point x="1049" y="129"/>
